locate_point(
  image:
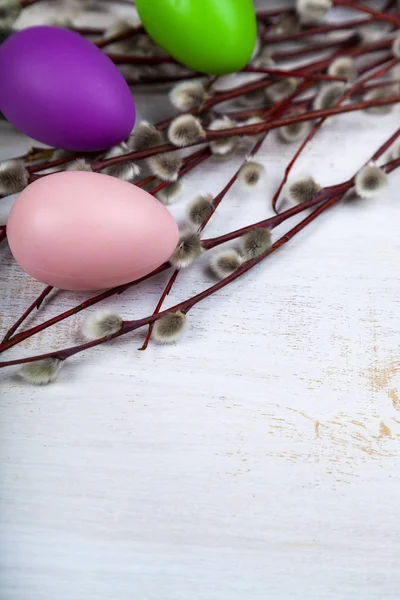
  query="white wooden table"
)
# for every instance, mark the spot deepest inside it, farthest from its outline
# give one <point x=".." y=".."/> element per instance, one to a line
<point x="258" y="458"/>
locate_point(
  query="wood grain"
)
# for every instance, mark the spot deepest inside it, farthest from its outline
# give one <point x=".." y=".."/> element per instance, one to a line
<point x="256" y="459"/>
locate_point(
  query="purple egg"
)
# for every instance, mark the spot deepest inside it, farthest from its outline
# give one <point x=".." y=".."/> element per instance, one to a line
<point x="60" y="89"/>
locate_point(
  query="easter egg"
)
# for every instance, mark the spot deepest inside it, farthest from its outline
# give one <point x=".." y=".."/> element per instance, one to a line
<point x="211" y="36"/>
<point x="60" y="89"/>
<point x="87" y="231"/>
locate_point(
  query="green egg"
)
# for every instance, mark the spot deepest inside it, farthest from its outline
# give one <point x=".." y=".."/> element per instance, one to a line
<point x="211" y="36"/>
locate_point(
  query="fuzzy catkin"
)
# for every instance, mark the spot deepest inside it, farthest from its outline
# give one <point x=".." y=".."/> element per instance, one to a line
<point x="144" y="136"/>
<point x="188" y="95"/>
<point x="329" y="95"/>
<point x="185" y="130"/>
<point x="169" y="193"/>
<point x="103" y="323"/>
<point x="344" y="67"/>
<point x="255" y="242"/>
<point x="14" y="177"/>
<point x="165" y="166"/>
<point x="370" y="181"/>
<point x="250" y="173"/>
<point x="199" y="209"/>
<point x="41" y="372"/>
<point x="223" y="146"/>
<point x="301" y="190"/>
<point x="187" y="250"/>
<point x="169" y="328"/>
<point x="294" y="132"/>
<point x="225" y="263"/>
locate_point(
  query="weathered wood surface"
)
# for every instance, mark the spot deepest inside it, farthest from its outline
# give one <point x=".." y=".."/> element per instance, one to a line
<point x="256" y="459"/>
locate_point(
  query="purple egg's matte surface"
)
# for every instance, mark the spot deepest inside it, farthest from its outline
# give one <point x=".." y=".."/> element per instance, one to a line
<point x="60" y="89"/>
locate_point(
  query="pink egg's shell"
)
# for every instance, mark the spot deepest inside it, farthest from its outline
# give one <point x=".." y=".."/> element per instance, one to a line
<point x="87" y="231"/>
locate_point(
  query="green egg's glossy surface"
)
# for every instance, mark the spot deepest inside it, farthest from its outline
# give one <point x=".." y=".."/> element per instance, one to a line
<point x="211" y="36"/>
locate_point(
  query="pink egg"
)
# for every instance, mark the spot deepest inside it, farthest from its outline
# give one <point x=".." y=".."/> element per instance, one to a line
<point x="87" y="231"/>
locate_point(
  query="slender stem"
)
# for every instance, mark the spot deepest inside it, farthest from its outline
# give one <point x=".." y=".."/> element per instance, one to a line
<point x="188" y="304"/>
<point x="157" y="309"/>
<point x="377" y="63"/>
<point x="87" y="30"/>
<point x="207" y="244"/>
<point x="184" y="306"/>
<point x="313" y="48"/>
<point x="145" y="181"/>
<point x="278" y="108"/>
<point x="126" y="59"/>
<point x="36" y="304"/>
<point x="235" y="92"/>
<point x="76" y="309"/>
<point x="26" y="3"/>
<point x="217" y="200"/>
<point x="273" y="12"/>
<point x="144" y="80"/>
<point x="201" y="156"/>
<point x="36" y="153"/>
<point x="372" y="47"/>
<point x="119" y="37"/>
<point x="280" y="73"/>
<point x="379" y="16"/>
<point x="325" y="194"/>
<point x="122" y="59"/>
<point x="141" y="154"/>
<point x="190" y="163"/>
<point x="318" y="125"/>
<point x="310" y="31"/>
<point x="380" y="84"/>
<point x="220" y="97"/>
<point x="271" y="222"/>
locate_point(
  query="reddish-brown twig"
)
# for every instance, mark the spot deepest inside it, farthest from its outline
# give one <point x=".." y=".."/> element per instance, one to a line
<point x="255" y="129"/>
<point x="126" y="59"/>
<point x="322" y="196"/>
<point x="25" y="3"/>
<point x="378" y="16"/>
<point x="119" y="37"/>
<point x="284" y="73"/>
<point x="190" y="160"/>
<point x="76" y="309"/>
<point x="36" y="304"/>
<point x="196" y="159"/>
<point x="214" y="135"/>
<point x="358" y="84"/>
<point x="314" y="48"/>
<point x="146" y="80"/>
<point x="319" y="29"/>
<point x="218" y="98"/>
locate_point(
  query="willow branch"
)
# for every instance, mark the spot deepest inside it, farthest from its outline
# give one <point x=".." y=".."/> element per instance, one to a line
<point x="356" y="86"/>
<point x="36" y="304"/>
<point x="277" y="109"/>
<point x="378" y="16"/>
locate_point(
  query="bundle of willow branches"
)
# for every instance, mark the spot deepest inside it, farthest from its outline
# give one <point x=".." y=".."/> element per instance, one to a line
<point x="355" y="68"/>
